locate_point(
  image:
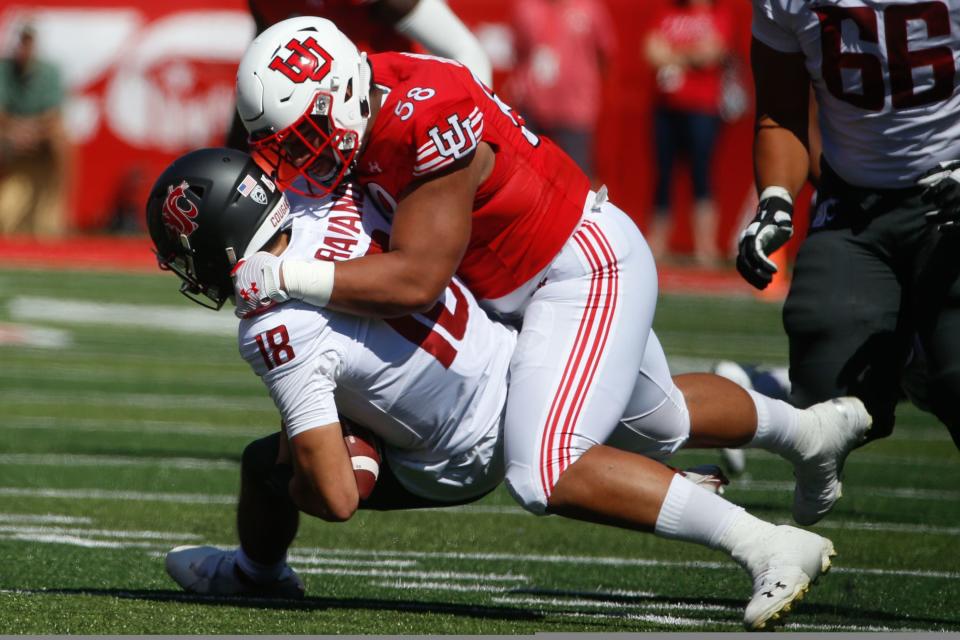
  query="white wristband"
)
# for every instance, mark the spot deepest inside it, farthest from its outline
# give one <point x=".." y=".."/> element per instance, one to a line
<point x="776" y="192"/>
<point x="309" y="281"/>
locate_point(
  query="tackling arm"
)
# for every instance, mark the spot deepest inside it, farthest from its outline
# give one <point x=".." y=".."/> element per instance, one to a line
<point x="431" y="230"/>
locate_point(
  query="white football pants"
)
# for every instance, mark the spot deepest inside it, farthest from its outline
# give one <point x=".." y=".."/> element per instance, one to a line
<point x="580" y="356"/>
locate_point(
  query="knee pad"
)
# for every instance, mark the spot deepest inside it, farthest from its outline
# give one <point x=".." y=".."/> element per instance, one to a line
<point x="260" y="471"/>
<point x="657" y="434"/>
<point x="523" y="483"/>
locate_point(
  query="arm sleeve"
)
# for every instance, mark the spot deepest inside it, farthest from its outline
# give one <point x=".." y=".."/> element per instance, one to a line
<point x="770" y="26"/>
<point x="436" y="27"/>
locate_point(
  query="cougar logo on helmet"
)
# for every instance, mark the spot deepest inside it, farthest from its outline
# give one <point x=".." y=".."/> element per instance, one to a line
<point x="307" y="61"/>
<point x="177" y="218"/>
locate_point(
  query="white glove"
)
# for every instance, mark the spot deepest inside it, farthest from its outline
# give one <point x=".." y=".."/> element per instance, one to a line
<point x="256" y="284"/>
<point x="769" y="230"/>
<point x="942" y="190"/>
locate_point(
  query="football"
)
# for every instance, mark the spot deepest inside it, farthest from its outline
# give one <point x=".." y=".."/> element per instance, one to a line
<point x="364" y="449"/>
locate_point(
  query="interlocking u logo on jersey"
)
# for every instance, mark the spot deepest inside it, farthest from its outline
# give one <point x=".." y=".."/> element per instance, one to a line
<point x="307" y="61"/>
<point x="453" y="142"/>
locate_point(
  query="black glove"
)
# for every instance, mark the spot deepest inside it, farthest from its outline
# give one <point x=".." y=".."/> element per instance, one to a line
<point x="770" y="230"/>
<point x="942" y="190"/>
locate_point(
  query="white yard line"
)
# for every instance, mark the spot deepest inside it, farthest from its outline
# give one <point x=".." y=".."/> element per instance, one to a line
<point x="404" y="585"/>
<point x="70" y="460"/>
<point x="126" y="425"/>
<point x="438" y="575"/>
<point x="606" y="561"/>
<point x="883" y="492"/>
<point x="30" y="336"/>
<point x="181" y="319"/>
<point x="300" y="560"/>
<point x="43" y="518"/>
<point x="138" y="400"/>
<point x="585" y="603"/>
<point x="100" y="533"/>
<point x="104" y="494"/>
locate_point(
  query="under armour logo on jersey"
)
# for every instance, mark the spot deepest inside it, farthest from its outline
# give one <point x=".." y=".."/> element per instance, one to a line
<point x="179" y="211"/>
<point x="374" y="167"/>
<point x="307" y="61"/>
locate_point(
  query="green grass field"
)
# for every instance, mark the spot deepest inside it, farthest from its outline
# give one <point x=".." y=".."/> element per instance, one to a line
<point x="120" y="440"/>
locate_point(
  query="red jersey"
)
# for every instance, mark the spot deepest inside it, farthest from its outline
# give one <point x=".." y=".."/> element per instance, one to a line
<point x="435" y="113"/>
<point x="354" y="17"/>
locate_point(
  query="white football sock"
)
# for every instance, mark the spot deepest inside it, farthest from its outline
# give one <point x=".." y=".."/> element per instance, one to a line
<point x="693" y="514"/>
<point x="258" y="571"/>
<point x="739" y="537"/>
<point x="778" y="426"/>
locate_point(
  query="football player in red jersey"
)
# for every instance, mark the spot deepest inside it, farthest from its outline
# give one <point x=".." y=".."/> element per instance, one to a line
<point x="472" y="192"/>
<point x="380" y="25"/>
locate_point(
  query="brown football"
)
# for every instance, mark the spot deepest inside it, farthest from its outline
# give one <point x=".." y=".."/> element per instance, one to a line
<point x="364" y="449"/>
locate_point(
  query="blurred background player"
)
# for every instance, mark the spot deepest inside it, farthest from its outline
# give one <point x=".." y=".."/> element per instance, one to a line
<point x="687" y="47"/>
<point x="33" y="142"/>
<point x="563" y="51"/>
<point x="380" y="25"/>
<point x="874" y="270"/>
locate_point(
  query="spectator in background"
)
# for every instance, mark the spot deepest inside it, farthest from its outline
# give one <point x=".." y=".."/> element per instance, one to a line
<point x="563" y="50"/>
<point x="376" y="26"/>
<point x="688" y="46"/>
<point x="33" y="152"/>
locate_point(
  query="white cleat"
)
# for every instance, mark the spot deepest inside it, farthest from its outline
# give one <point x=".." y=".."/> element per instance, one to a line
<point x="832" y="429"/>
<point x="708" y="476"/>
<point x="783" y="562"/>
<point x="212" y="571"/>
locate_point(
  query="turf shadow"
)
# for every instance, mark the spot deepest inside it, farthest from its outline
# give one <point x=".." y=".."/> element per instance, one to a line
<point x="311" y="603"/>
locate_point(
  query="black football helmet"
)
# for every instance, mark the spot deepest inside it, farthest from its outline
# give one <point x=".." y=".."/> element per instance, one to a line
<point x="207" y="210"/>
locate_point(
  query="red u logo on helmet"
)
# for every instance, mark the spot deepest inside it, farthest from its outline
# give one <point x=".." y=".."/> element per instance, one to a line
<point x="307" y="61"/>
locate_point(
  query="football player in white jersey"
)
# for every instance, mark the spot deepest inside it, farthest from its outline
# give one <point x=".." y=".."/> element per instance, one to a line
<point x="874" y="270"/>
<point x="433" y="386"/>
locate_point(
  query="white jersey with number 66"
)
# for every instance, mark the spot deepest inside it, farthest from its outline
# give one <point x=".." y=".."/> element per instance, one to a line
<point x="886" y="78"/>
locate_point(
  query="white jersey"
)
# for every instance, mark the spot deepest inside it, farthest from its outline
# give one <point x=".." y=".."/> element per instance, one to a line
<point x="433" y="385"/>
<point x="886" y="79"/>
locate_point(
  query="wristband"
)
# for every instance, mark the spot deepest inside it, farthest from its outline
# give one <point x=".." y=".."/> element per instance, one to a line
<point x="776" y="192"/>
<point x="312" y="282"/>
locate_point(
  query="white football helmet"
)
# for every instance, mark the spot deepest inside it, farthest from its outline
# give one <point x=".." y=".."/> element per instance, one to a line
<point x="303" y="93"/>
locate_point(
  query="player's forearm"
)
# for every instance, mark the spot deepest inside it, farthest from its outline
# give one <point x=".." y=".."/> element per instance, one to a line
<point x="387" y="285"/>
<point x="780" y="157"/>
<point x="380" y="286"/>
